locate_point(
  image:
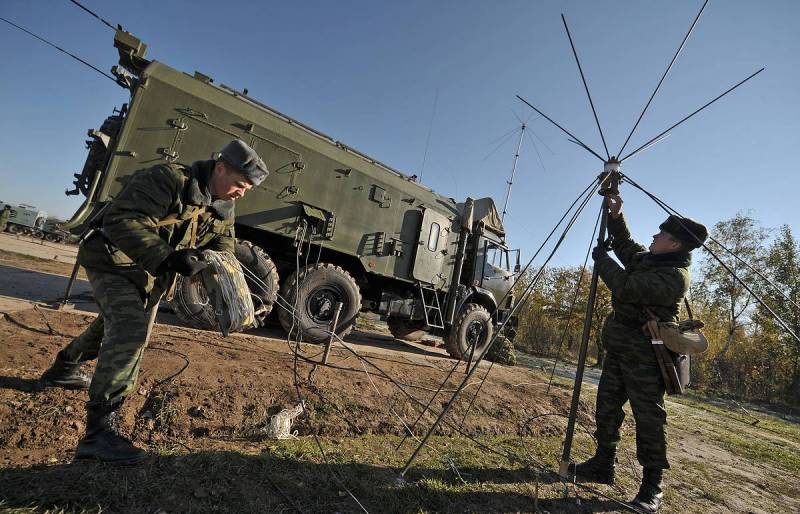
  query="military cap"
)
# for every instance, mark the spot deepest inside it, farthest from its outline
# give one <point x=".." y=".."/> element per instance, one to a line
<point x="686" y="230"/>
<point x="245" y="160"/>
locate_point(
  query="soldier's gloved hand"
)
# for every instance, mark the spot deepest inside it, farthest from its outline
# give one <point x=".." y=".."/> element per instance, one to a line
<point x="187" y="262"/>
<point x="599" y="253"/>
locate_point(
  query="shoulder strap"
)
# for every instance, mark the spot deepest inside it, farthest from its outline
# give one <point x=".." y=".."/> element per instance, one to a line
<point x="688" y="309"/>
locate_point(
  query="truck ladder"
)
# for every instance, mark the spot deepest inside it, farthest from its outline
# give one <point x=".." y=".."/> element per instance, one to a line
<point x="432" y="309"/>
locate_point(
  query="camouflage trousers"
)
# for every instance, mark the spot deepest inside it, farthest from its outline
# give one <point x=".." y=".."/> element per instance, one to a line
<point x="117" y="337"/>
<point x="631" y="373"/>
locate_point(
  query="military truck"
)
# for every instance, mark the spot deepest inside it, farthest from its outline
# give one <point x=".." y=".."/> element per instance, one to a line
<point x="329" y="226"/>
<point x="25" y="219"/>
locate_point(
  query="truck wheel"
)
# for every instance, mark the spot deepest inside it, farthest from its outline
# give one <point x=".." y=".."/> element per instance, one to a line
<point x="261" y="276"/>
<point x="191" y="303"/>
<point x="409" y="330"/>
<point x="15" y="229"/>
<point x="313" y="294"/>
<point x="473" y="326"/>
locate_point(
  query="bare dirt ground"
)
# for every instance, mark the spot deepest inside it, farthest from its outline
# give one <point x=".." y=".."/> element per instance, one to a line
<point x="203" y="403"/>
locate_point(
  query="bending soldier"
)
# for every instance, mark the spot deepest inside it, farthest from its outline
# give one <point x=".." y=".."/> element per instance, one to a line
<point x="4" y="215"/>
<point x="657" y="279"/>
<point x="152" y="230"/>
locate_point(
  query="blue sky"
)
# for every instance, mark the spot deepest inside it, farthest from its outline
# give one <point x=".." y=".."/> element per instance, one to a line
<point x="367" y="74"/>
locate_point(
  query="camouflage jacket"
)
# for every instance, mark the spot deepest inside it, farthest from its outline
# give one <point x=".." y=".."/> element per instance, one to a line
<point x="4" y="215"/>
<point x="658" y="282"/>
<point x="152" y="217"/>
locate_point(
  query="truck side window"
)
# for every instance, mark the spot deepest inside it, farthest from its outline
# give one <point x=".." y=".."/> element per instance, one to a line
<point x="433" y="238"/>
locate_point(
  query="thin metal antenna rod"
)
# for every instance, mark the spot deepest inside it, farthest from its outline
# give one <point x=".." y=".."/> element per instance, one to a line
<point x="430" y="131"/>
<point x="674" y="57"/>
<point x="585" y="86"/>
<point x="695" y="112"/>
<point x="570" y="134"/>
<point x="513" y="172"/>
<point x="612" y="178"/>
<point x="665" y="136"/>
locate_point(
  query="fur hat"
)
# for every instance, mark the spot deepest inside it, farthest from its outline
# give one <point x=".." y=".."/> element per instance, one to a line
<point x="686" y="230"/>
<point x="245" y="160"/>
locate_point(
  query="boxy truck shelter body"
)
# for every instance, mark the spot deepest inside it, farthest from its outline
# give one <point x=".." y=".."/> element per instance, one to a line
<point x="25" y="219"/>
<point x="337" y="225"/>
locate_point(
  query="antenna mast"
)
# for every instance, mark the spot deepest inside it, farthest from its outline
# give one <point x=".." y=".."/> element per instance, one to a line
<point x="513" y="172"/>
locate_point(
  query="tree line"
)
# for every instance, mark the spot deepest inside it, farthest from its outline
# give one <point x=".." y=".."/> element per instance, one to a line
<point x="750" y="356"/>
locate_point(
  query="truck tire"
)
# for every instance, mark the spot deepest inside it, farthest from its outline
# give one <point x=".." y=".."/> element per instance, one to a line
<point x="191" y="303"/>
<point x="314" y="293"/>
<point x="472" y="326"/>
<point x="261" y="276"/>
<point x="406" y="329"/>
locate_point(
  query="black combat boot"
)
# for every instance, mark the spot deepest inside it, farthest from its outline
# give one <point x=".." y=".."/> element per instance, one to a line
<point x="66" y="374"/>
<point x="650" y="493"/>
<point x="599" y="468"/>
<point x="102" y="440"/>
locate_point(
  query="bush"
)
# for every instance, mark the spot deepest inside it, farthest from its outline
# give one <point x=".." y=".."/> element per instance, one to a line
<point x="502" y="352"/>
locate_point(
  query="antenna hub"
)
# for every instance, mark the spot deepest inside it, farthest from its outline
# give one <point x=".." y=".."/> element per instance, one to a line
<point x="611" y="166"/>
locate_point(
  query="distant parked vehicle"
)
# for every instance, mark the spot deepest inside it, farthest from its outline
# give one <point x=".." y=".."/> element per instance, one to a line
<point x="26" y="219"/>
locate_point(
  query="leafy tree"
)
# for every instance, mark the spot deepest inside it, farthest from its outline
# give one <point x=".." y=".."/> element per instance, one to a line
<point x="745" y="238"/>
<point x="783" y="266"/>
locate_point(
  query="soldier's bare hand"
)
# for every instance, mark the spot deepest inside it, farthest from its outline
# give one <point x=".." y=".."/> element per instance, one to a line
<point x="614" y="203"/>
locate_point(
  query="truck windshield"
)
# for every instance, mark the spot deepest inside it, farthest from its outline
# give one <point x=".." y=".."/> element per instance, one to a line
<point x="497" y="256"/>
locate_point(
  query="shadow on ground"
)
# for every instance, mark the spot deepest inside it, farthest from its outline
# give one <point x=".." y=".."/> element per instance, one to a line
<point x="232" y="482"/>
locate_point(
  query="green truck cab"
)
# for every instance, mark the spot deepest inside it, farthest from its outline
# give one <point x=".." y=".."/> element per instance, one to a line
<point x="329" y="226"/>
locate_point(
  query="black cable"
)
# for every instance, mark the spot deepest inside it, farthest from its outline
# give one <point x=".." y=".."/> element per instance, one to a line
<point x="739" y="259"/>
<point x="475" y="396"/>
<point x="98" y="70"/>
<point x="112" y="27"/>
<point x="430" y="401"/>
<point x="183" y="368"/>
<point x="296" y="376"/>
<point x="667" y="209"/>
<point x="595" y="184"/>
<point x="516" y="308"/>
<point x="510" y="457"/>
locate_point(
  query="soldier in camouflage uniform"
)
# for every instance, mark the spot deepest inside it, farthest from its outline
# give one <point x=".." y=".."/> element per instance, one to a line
<point x="152" y="230"/>
<point x="4" y="215"/>
<point x="657" y="279"/>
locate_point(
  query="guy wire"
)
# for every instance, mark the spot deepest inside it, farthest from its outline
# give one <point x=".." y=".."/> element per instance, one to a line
<point x="536" y="254"/>
<point x="98" y="70"/>
<point x="516" y="308"/>
<point x="715" y="241"/>
<point x="510" y="457"/>
<point x="666" y="208"/>
<point x="112" y="27"/>
<point x="526" y="296"/>
<point x="592" y="242"/>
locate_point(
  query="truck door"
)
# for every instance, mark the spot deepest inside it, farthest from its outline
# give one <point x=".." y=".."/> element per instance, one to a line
<point x="431" y="249"/>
